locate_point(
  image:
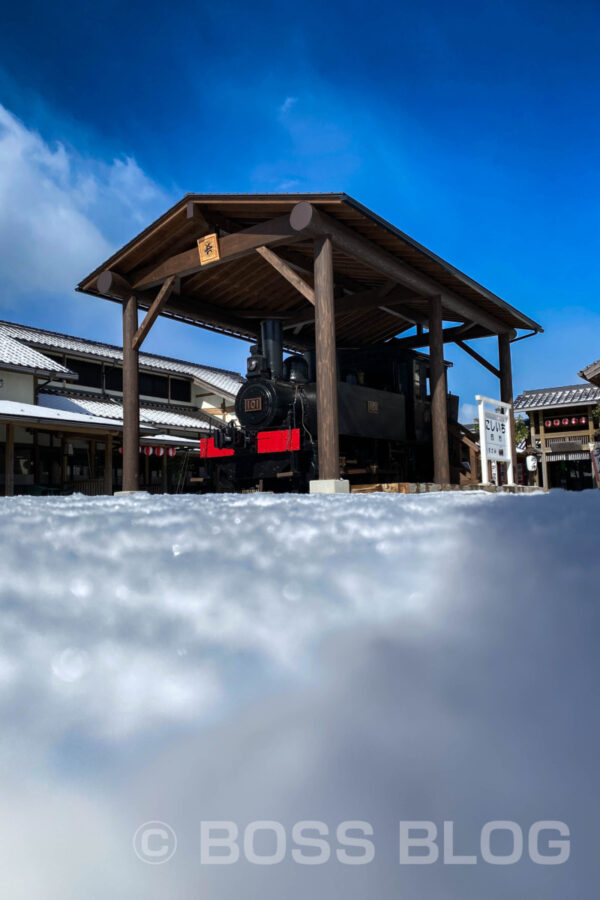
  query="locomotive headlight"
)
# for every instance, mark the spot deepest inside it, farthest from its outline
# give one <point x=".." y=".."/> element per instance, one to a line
<point x="252" y="365"/>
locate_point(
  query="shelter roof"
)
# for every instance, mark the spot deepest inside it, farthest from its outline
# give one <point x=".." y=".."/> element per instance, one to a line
<point x="229" y="295"/>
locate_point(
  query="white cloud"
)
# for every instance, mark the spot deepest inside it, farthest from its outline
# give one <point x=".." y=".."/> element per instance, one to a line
<point x="468" y="413"/>
<point x="60" y="213"/>
<point x="287" y="105"/>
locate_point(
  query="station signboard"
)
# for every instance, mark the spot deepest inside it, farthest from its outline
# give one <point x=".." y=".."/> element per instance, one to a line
<point x="495" y="436"/>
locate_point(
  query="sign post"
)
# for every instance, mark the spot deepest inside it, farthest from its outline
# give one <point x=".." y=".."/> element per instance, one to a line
<point x="495" y="437"/>
<point x="595" y="454"/>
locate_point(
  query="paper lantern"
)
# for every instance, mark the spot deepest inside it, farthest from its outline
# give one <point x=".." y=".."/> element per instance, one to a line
<point x="171" y="451"/>
<point x="548" y="423"/>
<point x="159" y="451"/>
<point x="565" y="421"/>
<point x="583" y="420"/>
<point x="556" y="423"/>
<point x="148" y="450"/>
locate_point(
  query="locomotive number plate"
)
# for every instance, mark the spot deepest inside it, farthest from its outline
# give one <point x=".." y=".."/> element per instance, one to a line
<point x="373" y="407"/>
<point x="253" y="404"/>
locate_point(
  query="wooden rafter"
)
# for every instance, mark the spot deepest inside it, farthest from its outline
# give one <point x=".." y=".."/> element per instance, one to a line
<point x="286" y="270"/>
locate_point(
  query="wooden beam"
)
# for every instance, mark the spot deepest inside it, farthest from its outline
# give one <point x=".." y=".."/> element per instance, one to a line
<point x="363" y="300"/>
<point x="449" y="335"/>
<point x="439" y="401"/>
<point x="231" y="246"/>
<point x="288" y="273"/>
<point x="480" y="359"/>
<point x="327" y="399"/>
<point x="131" y="398"/>
<point x="306" y="219"/>
<point x="154" y="311"/>
<point x="111" y="284"/>
<point x="9" y="461"/>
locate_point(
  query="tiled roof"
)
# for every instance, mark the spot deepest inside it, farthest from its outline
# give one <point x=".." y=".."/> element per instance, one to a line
<point x="222" y="380"/>
<point x="15" y="355"/>
<point x="156" y="414"/>
<point x="559" y="396"/>
<point x="591" y="372"/>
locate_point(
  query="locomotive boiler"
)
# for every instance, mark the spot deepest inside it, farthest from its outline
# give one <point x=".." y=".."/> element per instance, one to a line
<point x="384" y="415"/>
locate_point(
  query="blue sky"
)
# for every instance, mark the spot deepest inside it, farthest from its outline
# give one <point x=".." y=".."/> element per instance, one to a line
<point x="472" y="126"/>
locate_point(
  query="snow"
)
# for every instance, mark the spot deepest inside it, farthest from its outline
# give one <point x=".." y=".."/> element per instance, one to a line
<point x="33" y="413"/>
<point x="372" y="657"/>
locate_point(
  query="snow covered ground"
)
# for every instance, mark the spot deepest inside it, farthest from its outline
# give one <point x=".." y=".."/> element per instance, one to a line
<point x="241" y="658"/>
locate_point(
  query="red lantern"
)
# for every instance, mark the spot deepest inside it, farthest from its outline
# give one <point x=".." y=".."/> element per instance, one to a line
<point x="574" y="420"/>
<point x="565" y="421"/>
<point x="121" y="451"/>
<point x="556" y="423"/>
<point x="159" y="451"/>
<point x="583" y="420"/>
<point x="171" y="451"/>
<point x="548" y="423"/>
<point x="148" y="450"/>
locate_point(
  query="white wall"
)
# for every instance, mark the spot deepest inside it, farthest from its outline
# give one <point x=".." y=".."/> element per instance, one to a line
<point x="16" y="386"/>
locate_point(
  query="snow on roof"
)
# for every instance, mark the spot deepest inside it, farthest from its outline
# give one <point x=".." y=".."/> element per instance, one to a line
<point x="107" y="408"/>
<point x="12" y="409"/>
<point x="16" y="355"/>
<point x="558" y="396"/>
<point x="222" y="380"/>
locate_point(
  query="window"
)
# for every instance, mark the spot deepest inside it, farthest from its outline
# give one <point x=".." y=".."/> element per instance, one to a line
<point x="90" y="373"/>
<point x="113" y="378"/>
<point x="154" y="385"/>
<point x="181" y="390"/>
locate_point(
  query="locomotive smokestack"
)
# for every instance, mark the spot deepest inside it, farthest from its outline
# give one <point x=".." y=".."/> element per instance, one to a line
<point x="272" y="345"/>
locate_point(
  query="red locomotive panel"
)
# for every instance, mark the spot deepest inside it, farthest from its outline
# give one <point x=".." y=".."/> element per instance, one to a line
<point x="266" y="442"/>
<point x="208" y="449"/>
<point x="278" y="441"/>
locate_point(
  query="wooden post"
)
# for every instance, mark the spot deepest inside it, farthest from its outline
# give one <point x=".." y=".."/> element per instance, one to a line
<point x="63" y="463"/>
<point x="37" y="472"/>
<point x="131" y="398"/>
<point x="92" y="459"/>
<point x="9" y="461"/>
<point x="108" y="464"/>
<point x="439" y="402"/>
<point x="327" y="399"/>
<point x="165" y="479"/>
<point x="506" y="390"/>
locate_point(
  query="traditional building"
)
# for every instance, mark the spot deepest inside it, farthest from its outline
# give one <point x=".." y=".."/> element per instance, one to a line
<point x="61" y="413"/>
<point x="562" y="422"/>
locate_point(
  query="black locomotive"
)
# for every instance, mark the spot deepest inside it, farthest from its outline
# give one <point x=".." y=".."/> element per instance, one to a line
<point x="384" y="419"/>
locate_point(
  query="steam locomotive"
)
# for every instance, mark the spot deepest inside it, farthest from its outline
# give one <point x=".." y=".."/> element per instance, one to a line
<point x="384" y="413"/>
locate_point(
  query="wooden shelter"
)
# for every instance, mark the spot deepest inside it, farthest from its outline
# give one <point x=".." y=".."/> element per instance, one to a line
<point x="332" y="270"/>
